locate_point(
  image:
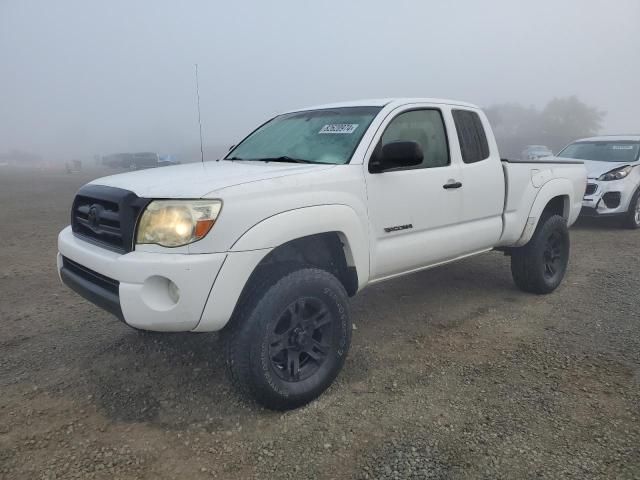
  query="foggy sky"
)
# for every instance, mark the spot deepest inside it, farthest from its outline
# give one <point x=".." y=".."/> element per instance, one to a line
<point x="84" y="77"/>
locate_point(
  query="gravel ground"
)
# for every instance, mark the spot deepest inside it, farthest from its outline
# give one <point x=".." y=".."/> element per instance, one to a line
<point x="453" y="373"/>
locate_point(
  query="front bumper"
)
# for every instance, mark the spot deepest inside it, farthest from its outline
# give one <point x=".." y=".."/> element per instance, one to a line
<point x="607" y="198"/>
<point x="96" y="288"/>
<point x="136" y="286"/>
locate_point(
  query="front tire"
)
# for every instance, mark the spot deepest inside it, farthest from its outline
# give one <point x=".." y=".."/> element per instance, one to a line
<point x="632" y="217"/>
<point x="289" y="339"/>
<point x="540" y="265"/>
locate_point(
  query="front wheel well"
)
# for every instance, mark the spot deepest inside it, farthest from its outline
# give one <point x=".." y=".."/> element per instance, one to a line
<point x="328" y="251"/>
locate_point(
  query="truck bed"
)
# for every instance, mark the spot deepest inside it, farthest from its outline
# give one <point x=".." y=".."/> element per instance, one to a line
<point x="526" y="180"/>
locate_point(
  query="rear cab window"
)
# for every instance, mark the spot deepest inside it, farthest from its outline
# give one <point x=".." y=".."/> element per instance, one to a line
<point x="471" y="135"/>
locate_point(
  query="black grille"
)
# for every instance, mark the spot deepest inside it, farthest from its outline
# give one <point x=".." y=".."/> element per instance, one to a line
<point x="107" y="216"/>
<point x="95" y="278"/>
<point x="591" y="189"/>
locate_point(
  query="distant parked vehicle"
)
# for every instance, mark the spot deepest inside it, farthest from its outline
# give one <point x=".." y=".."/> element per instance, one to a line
<point x="167" y="161"/>
<point x="613" y="176"/>
<point x="143" y="160"/>
<point x="73" y="166"/>
<point x="138" y="161"/>
<point x="534" y="152"/>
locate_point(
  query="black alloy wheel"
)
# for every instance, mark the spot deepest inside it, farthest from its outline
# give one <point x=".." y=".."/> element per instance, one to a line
<point x="289" y="337"/>
<point x="553" y="255"/>
<point x="301" y="340"/>
<point x="540" y="265"/>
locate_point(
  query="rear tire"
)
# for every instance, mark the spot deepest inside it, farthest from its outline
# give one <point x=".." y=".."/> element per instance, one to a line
<point x="632" y="217"/>
<point x="289" y="338"/>
<point x="540" y="265"/>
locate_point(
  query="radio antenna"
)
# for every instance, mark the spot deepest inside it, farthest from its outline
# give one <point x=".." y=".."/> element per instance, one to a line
<point x="199" y="117"/>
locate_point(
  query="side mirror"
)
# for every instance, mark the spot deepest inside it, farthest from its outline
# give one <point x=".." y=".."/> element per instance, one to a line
<point x="396" y="155"/>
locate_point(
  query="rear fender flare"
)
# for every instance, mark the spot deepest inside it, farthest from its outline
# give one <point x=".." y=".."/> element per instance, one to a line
<point x="557" y="187"/>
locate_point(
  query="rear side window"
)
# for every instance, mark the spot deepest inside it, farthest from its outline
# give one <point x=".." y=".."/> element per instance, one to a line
<point x="473" y="140"/>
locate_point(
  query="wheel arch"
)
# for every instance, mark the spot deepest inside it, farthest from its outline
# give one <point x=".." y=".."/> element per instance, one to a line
<point x="554" y="198"/>
<point x="327" y="251"/>
<point x="338" y="227"/>
<point x="331" y="237"/>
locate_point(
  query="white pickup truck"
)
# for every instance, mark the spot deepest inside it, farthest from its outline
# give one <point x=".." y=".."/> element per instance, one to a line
<point x="268" y="243"/>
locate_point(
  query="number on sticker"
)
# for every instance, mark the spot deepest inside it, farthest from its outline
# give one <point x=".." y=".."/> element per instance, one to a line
<point x="339" y="128"/>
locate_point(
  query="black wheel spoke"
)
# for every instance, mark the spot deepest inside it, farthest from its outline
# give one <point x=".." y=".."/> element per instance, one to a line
<point x="318" y="351"/>
<point x="550" y="268"/>
<point x="294" y="313"/>
<point x="300" y="339"/>
<point x="279" y="343"/>
<point x="318" y="319"/>
<point x="553" y="254"/>
<point x="293" y="363"/>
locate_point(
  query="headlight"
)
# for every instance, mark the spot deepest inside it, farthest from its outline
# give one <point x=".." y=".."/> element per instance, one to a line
<point x="616" y="174"/>
<point x="173" y="223"/>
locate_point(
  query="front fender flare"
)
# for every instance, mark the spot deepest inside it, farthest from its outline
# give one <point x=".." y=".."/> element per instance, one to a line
<point x="292" y="224"/>
<point x="258" y="241"/>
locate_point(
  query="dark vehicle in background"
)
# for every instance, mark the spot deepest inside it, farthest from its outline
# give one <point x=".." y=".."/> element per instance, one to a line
<point x="138" y="161"/>
<point x="167" y="161"/>
<point x="534" y="152"/>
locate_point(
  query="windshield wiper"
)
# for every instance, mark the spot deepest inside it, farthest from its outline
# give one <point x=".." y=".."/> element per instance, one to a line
<point x="285" y="158"/>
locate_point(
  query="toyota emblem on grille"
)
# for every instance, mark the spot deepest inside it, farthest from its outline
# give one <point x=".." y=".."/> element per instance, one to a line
<point x="94" y="216"/>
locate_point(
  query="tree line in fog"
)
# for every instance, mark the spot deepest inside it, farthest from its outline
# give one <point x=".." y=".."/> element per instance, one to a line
<point x="560" y="122"/>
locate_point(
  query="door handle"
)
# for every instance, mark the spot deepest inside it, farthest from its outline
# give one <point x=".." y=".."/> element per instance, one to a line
<point x="452" y="185"/>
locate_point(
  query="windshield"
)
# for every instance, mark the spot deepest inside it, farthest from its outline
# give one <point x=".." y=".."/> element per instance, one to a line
<point x="603" y="151"/>
<point x="318" y="136"/>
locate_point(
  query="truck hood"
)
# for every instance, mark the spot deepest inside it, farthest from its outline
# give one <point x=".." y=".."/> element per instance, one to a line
<point x="195" y="180"/>
<point x="595" y="169"/>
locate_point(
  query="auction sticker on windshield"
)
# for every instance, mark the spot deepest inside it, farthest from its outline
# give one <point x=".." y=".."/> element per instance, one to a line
<point x="339" y="128"/>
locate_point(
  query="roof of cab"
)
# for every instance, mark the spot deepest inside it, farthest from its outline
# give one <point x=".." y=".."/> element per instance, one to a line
<point x="612" y="138"/>
<point x="382" y="102"/>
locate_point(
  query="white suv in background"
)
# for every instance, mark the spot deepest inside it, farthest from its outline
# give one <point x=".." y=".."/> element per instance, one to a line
<point x="613" y="170"/>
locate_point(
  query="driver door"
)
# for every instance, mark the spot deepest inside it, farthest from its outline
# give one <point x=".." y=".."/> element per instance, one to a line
<point x="414" y="212"/>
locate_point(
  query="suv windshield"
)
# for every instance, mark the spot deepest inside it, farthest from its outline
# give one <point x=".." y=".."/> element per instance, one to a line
<point x="316" y="136"/>
<point x="603" y="151"/>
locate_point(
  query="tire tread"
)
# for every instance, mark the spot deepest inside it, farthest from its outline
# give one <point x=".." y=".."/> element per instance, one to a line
<point x="238" y="333"/>
<point x="524" y="261"/>
<point x="629" y="218"/>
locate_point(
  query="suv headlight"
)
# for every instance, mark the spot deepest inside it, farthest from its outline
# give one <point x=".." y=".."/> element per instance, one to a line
<point x="173" y="223"/>
<point x="616" y="174"/>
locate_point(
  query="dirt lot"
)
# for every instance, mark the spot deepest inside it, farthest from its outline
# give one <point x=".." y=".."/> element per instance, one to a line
<point x="453" y="373"/>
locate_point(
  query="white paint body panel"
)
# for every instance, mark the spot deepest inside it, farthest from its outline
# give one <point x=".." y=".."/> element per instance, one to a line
<point x="268" y="204"/>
